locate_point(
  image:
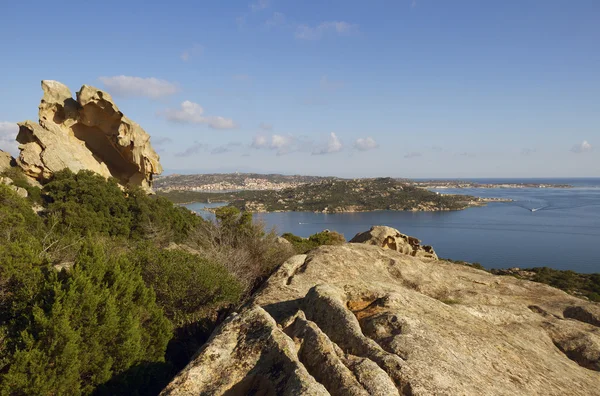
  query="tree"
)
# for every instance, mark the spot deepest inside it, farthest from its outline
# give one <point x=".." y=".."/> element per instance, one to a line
<point x="83" y="326"/>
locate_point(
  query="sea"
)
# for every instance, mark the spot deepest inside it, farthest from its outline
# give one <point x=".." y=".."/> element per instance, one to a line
<point x="542" y="227"/>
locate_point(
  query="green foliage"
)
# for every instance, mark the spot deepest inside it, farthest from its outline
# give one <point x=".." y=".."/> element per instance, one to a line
<point x="186" y="285"/>
<point x="158" y="219"/>
<point x="87" y="203"/>
<point x="81" y="327"/>
<point x="102" y="325"/>
<point x="569" y="281"/>
<point x="20" y="180"/>
<point x="303" y="245"/>
<point x="466" y="263"/>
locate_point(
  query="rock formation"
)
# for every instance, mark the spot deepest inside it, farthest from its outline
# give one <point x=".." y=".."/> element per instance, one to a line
<point x="357" y="319"/>
<point x="6" y="161"/>
<point x="19" y="190"/>
<point x="389" y="238"/>
<point x="87" y="133"/>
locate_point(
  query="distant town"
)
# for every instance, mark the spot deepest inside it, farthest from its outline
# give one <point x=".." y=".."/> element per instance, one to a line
<point x="232" y="182"/>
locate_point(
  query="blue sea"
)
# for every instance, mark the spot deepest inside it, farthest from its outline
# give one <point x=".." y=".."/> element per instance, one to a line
<point x="562" y="232"/>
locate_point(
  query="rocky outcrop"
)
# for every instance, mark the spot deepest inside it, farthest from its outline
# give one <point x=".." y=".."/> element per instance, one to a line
<point x="19" y="190"/>
<point x="6" y="161"/>
<point x="390" y="238"/>
<point x="87" y="133"/>
<point x="357" y="319"/>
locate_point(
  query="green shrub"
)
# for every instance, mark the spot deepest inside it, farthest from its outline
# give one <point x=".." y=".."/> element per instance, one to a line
<point x="81" y="327"/>
<point x="186" y="285"/>
<point x="20" y="180"/>
<point x="303" y="245"/>
<point x="158" y="219"/>
<point x="88" y="203"/>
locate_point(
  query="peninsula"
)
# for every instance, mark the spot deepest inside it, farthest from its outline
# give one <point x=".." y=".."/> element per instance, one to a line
<point x="336" y="196"/>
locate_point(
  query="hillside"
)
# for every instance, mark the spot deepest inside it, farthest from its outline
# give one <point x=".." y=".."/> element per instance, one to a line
<point x="334" y="196"/>
<point x="233" y="182"/>
<point x="366" y="319"/>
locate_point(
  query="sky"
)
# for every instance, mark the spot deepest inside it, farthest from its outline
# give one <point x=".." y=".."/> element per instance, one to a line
<point x="400" y="88"/>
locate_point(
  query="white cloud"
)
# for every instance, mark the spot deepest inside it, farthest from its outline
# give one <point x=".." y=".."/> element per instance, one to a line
<point x="260" y="142"/>
<point x="129" y="86"/>
<point x="282" y="144"/>
<point x="193" y="113"/>
<point x="265" y="126"/>
<point x="8" y="134"/>
<point x="277" y="19"/>
<point x="333" y="145"/>
<point x="259" y="5"/>
<point x="365" y="144"/>
<point x="584" y="147"/>
<point x="305" y="32"/>
<point x="413" y="154"/>
<point x="195" y="50"/>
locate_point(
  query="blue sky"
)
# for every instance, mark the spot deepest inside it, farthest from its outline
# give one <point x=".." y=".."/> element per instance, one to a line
<point x="403" y="88"/>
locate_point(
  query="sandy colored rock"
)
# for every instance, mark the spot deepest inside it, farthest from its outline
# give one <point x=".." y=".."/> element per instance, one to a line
<point x="249" y="354"/>
<point x="359" y="319"/>
<point x="6" y="161"/>
<point x="19" y="190"/>
<point x="87" y="133"/>
<point x="390" y="238"/>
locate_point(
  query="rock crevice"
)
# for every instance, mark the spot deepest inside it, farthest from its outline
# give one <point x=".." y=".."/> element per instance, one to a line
<point x="361" y="319"/>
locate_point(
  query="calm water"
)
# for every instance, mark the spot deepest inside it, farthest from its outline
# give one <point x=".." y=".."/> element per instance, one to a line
<point x="563" y="233"/>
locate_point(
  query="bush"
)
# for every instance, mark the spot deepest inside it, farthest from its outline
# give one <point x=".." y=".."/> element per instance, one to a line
<point x="240" y="245"/>
<point x="303" y="245"/>
<point x="186" y="285"/>
<point x="88" y="203"/>
<point x="81" y="327"/>
<point x="34" y="194"/>
<point x="158" y="219"/>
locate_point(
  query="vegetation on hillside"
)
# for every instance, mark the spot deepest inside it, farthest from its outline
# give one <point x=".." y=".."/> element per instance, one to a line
<point x="303" y="245"/>
<point x="334" y="196"/>
<point x="581" y="285"/>
<point x="111" y="292"/>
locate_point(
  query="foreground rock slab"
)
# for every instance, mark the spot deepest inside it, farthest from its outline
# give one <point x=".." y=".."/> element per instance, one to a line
<point x="87" y="133"/>
<point x="357" y="319"/>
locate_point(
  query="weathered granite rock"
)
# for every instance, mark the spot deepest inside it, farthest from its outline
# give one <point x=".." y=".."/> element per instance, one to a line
<point x="390" y="238"/>
<point x="357" y="319"/>
<point x="6" y="161"/>
<point x="19" y="190"/>
<point x="87" y="133"/>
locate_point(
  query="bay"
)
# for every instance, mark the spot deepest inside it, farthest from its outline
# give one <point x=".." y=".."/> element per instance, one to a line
<point x="563" y="231"/>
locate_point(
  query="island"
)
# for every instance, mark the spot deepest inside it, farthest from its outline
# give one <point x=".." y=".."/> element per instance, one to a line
<point x="336" y="196"/>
